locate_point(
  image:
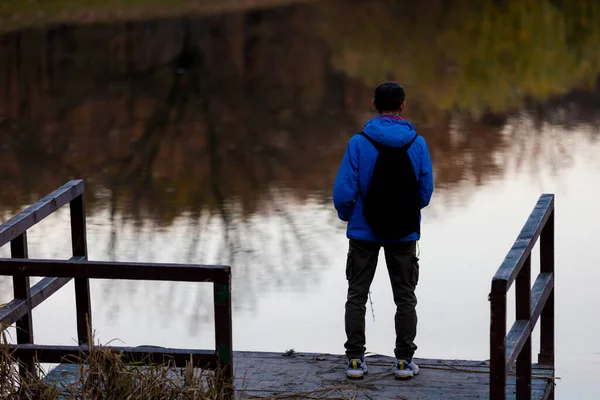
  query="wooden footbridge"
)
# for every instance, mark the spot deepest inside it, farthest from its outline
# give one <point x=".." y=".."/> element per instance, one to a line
<point x="509" y="373"/>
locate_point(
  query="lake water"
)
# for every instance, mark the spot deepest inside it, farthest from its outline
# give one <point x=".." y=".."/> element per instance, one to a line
<point x="216" y="139"/>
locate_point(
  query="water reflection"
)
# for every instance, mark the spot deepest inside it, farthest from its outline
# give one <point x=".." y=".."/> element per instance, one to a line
<point x="476" y="56"/>
<point x="217" y="139"/>
<point x="176" y="116"/>
<point x="221" y="120"/>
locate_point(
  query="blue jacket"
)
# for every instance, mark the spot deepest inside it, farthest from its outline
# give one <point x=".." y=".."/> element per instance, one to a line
<point x="357" y="167"/>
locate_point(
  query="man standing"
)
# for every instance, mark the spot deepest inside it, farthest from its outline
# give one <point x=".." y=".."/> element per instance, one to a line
<point x="384" y="180"/>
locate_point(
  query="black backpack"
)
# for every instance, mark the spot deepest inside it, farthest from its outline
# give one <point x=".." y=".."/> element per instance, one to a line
<point x="391" y="204"/>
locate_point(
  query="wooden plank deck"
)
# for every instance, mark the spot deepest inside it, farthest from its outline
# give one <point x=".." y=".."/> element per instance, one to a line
<point x="301" y="375"/>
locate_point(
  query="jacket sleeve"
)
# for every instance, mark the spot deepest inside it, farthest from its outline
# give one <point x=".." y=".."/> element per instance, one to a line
<point x="425" y="177"/>
<point x="345" y="188"/>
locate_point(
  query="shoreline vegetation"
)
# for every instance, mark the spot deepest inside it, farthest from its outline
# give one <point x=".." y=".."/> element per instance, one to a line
<point x="19" y="14"/>
<point x="104" y="374"/>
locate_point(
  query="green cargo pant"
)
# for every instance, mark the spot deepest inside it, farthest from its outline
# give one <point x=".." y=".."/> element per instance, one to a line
<point x="403" y="268"/>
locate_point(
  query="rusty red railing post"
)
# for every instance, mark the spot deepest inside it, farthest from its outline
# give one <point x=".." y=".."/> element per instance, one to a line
<point x="498" y="340"/>
<point x="523" y="313"/>
<point x="22" y="290"/>
<point x="82" y="285"/>
<point x="223" y="330"/>
<point x="546" y="355"/>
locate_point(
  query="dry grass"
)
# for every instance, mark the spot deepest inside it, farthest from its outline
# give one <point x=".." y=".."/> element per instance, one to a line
<point x="104" y="374"/>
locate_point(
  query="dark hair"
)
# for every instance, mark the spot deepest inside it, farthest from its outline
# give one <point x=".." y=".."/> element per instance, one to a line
<point x="389" y="96"/>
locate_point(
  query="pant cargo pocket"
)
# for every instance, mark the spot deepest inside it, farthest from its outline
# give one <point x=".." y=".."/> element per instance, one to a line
<point x="415" y="270"/>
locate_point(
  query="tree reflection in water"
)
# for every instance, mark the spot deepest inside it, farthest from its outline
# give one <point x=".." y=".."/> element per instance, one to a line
<point x="233" y="126"/>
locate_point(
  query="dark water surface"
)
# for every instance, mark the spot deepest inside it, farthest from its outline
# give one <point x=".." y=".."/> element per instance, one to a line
<point x="217" y="140"/>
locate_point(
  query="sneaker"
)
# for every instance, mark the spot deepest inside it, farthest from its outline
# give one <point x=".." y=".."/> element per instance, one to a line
<point x="356" y="369"/>
<point x="405" y="370"/>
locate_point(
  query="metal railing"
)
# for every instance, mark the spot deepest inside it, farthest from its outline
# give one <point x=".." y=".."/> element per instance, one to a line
<point x="56" y="274"/>
<point x="532" y="303"/>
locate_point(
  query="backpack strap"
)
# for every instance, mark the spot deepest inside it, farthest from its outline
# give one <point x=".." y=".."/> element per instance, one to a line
<point x="378" y="145"/>
<point x="375" y="144"/>
<point x="407" y="145"/>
